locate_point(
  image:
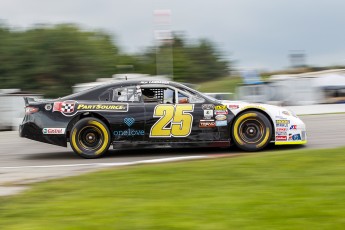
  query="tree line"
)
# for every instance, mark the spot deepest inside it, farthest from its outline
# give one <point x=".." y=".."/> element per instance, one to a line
<point x="51" y="59"/>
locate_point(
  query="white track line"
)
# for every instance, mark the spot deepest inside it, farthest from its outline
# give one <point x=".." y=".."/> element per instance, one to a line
<point x="159" y="160"/>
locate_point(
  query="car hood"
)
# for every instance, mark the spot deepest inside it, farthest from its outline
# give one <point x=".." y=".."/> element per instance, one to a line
<point x="238" y="106"/>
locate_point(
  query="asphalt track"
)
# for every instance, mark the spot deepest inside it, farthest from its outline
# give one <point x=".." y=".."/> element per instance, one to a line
<point x="23" y="161"/>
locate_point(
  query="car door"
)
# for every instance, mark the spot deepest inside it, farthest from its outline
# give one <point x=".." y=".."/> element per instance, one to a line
<point x="171" y="115"/>
<point x="129" y="125"/>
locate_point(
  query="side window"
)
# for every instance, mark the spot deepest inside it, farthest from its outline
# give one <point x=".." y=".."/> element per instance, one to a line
<point x="182" y="98"/>
<point x="106" y="96"/>
<point x="126" y="94"/>
<point x="149" y="95"/>
<point x="160" y="95"/>
<point x="189" y="97"/>
<point x="169" y="96"/>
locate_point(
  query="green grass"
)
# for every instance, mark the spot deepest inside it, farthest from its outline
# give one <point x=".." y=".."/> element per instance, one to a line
<point x="278" y="190"/>
<point x="223" y="85"/>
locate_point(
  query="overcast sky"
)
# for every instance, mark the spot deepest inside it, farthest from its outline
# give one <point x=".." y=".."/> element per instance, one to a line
<point x="258" y="34"/>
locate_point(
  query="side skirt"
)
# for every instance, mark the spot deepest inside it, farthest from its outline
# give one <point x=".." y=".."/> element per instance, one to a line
<point x="145" y="144"/>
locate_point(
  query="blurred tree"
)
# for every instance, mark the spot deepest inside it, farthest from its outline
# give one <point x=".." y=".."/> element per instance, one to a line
<point x="51" y="59"/>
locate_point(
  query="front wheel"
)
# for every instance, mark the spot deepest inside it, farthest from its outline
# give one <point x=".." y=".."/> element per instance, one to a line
<point x="252" y="131"/>
<point x="90" y="138"/>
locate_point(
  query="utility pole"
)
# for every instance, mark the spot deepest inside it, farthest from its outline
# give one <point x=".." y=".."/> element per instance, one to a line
<point x="164" y="42"/>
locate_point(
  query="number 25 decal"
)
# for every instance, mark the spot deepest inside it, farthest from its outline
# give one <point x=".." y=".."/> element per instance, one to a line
<point x="177" y="116"/>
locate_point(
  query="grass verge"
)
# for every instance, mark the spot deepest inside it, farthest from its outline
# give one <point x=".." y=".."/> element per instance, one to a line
<point x="282" y="190"/>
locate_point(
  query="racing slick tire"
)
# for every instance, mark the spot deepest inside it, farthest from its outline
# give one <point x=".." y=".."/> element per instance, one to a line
<point x="90" y="138"/>
<point x="252" y="131"/>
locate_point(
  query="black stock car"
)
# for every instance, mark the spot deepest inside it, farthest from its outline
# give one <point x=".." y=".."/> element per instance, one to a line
<point x="150" y="113"/>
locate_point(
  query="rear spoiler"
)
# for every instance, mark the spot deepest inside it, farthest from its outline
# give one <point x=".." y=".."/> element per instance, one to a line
<point x="28" y="100"/>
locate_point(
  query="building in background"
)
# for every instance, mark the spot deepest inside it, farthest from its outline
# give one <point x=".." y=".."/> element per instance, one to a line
<point x="12" y="107"/>
<point x="298" y="89"/>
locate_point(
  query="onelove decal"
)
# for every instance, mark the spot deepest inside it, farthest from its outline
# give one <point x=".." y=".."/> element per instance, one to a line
<point x="129" y="121"/>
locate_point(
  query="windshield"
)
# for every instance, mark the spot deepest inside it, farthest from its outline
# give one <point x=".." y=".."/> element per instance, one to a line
<point x="193" y="92"/>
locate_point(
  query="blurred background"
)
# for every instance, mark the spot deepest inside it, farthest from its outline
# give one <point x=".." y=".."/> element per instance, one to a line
<point x="277" y="52"/>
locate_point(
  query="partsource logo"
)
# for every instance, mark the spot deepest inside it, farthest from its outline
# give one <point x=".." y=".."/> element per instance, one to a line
<point x="129" y="121"/>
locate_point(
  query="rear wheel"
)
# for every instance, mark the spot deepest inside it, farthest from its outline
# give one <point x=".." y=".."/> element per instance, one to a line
<point x="252" y="131"/>
<point x="90" y="138"/>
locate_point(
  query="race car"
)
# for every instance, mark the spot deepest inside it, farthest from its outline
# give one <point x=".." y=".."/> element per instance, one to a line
<point x="140" y="114"/>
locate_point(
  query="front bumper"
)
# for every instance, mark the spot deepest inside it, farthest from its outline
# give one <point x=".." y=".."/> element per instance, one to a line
<point x="295" y="134"/>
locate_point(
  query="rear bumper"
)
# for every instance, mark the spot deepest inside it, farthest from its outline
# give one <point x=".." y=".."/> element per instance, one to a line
<point x="31" y="131"/>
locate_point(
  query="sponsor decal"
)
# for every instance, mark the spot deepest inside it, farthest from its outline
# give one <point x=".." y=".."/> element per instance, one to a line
<point x="129" y="132"/>
<point x="293" y="127"/>
<point x="282" y="123"/>
<point x="53" y="130"/>
<point x="281" y="133"/>
<point x="207" y="124"/>
<point x="208" y="114"/>
<point x="118" y="107"/>
<point x="220" y="117"/>
<point x="233" y="107"/>
<point x="64" y="107"/>
<point x="207" y="106"/>
<point x="129" y="121"/>
<point x="48" y="107"/>
<point x="281" y="138"/>
<point x="221" y="112"/>
<point x="69" y="108"/>
<point x="281" y="129"/>
<point x="295" y="137"/>
<point x="221" y="123"/>
<point x="220" y="107"/>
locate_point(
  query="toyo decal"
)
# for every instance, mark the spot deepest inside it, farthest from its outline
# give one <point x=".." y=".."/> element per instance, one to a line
<point x="207" y="124"/>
